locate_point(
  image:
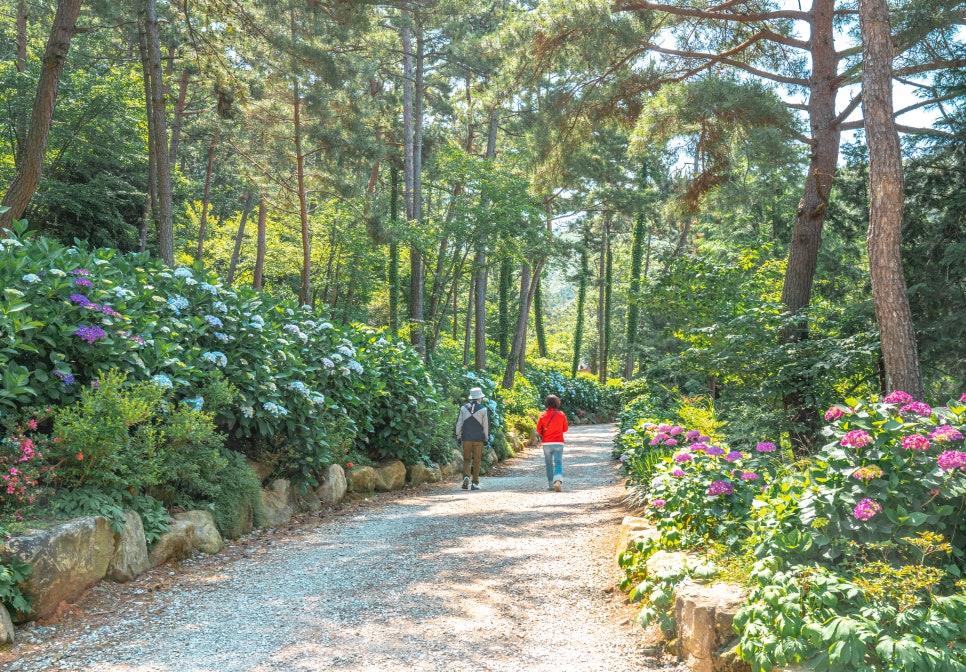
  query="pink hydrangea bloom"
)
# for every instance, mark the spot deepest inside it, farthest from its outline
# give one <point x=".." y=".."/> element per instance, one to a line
<point x="692" y="435"/>
<point x="733" y="456"/>
<point x="963" y="398"/>
<point x="658" y="503"/>
<point x="915" y="442"/>
<point x="720" y="488"/>
<point x="698" y="447"/>
<point x="663" y="427"/>
<point x="866" y="508"/>
<point x="682" y="457"/>
<point x="867" y="473"/>
<point x="674" y="431"/>
<point x="945" y="433"/>
<point x="765" y="447"/>
<point x="833" y="414"/>
<point x="670" y="442"/>
<point x="857" y="438"/>
<point x="952" y="460"/>
<point x="678" y="473"/>
<point x="898" y="397"/>
<point x="749" y="476"/>
<point x="917" y="407"/>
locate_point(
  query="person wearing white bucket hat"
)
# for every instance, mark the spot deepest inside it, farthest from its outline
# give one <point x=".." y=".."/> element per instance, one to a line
<point x="473" y="432"/>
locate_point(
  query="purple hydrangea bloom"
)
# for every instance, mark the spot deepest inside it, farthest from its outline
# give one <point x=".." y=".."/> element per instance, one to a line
<point x="692" y="435"/>
<point x="765" y="447"/>
<point x="898" y="397"/>
<point x="857" y="438"/>
<point x="952" y="460"/>
<point x="81" y="300"/>
<point x="945" y="433"/>
<point x="65" y="378"/>
<point x="678" y="473"/>
<point x="81" y="271"/>
<point x="915" y="442"/>
<point x="90" y="333"/>
<point x="733" y="456"/>
<point x="917" y="407"/>
<point x="720" y="488"/>
<point x="83" y="282"/>
<point x="866" y="508"/>
<point x="715" y="450"/>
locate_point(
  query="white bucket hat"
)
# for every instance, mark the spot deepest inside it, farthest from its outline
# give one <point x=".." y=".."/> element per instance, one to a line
<point x="476" y="393"/>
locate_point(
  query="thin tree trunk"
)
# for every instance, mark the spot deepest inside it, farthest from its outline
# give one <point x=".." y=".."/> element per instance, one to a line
<point x="260" y="243"/>
<point x="28" y="174"/>
<point x="519" y="334"/>
<point x="159" y="138"/>
<point x="503" y="306"/>
<point x="206" y="199"/>
<point x="538" y="320"/>
<point x="20" y="125"/>
<point x="633" y="300"/>
<point x="470" y="304"/>
<point x="886" y="200"/>
<point x="178" y="121"/>
<point x="525" y="283"/>
<point x="394" y="254"/>
<point x="150" y="215"/>
<point x="416" y="281"/>
<point x="581" y="300"/>
<point x="239" y="239"/>
<point x="602" y="302"/>
<point x="450" y="298"/>
<point x="608" y="292"/>
<point x="479" y="293"/>
<point x="305" y="291"/>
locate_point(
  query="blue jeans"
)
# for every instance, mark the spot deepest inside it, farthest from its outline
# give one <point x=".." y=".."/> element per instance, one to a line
<point x="553" y="456"/>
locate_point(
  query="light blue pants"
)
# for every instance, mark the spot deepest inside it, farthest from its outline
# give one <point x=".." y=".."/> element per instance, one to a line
<point x="553" y="456"/>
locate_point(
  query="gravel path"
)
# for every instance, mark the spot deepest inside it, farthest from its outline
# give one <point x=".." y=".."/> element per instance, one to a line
<point x="510" y="578"/>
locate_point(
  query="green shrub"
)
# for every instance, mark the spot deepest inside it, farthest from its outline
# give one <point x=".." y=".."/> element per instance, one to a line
<point x="239" y="492"/>
<point x="12" y="574"/>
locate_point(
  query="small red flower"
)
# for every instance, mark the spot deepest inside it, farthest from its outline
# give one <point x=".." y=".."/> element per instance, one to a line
<point x="349" y="464"/>
<point x="80" y="456"/>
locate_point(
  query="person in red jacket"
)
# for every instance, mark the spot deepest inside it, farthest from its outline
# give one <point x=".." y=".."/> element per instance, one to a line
<point x="550" y="428"/>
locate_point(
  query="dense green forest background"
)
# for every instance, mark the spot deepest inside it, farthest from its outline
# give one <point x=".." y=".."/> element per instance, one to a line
<point x="625" y="188"/>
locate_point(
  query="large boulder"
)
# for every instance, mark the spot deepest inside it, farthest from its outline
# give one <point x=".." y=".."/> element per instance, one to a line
<point x="206" y="537"/>
<point x="261" y="469"/>
<point x="361" y="480"/>
<point x="6" y="628"/>
<point x="175" y="544"/>
<point x="333" y="486"/>
<point x="390" y="476"/>
<point x="278" y="503"/>
<point x="417" y="474"/>
<point x="307" y="501"/>
<point x="66" y="560"/>
<point x="454" y="467"/>
<point x="632" y="530"/>
<point x="130" y="550"/>
<point x="703" y="616"/>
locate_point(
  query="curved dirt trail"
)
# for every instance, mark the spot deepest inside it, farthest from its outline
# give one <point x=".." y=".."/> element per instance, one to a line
<point x="510" y="578"/>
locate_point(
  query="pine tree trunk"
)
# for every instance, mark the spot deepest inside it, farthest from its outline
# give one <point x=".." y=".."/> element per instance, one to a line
<point x="178" y="121"/>
<point x="601" y="368"/>
<point x="150" y="214"/>
<point x="525" y="282"/>
<point x="468" y="335"/>
<point x="886" y="200"/>
<point x="416" y="280"/>
<point x="260" y="243"/>
<point x="239" y="239"/>
<point x="206" y="199"/>
<point x="394" y="255"/>
<point x="479" y="294"/>
<point x="518" y="348"/>
<point x="608" y="287"/>
<point x="581" y="299"/>
<point x="20" y="125"/>
<point x="633" y="300"/>
<point x="159" y="139"/>
<point x="810" y="216"/>
<point x="538" y="320"/>
<point x="503" y="306"/>
<point x="31" y="167"/>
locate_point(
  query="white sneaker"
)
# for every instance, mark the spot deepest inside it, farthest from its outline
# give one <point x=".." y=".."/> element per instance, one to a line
<point x="475" y="486"/>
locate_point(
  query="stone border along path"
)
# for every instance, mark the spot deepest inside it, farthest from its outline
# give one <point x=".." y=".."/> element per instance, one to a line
<point x="511" y="578"/>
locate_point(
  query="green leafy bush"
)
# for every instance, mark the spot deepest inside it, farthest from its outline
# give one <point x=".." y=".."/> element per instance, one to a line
<point x="12" y="574"/>
<point x="580" y="395"/>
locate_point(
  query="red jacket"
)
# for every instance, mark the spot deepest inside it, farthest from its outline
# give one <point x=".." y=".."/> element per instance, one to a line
<point x="552" y="425"/>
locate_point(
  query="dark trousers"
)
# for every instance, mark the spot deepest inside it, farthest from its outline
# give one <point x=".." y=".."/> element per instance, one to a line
<point x="472" y="456"/>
